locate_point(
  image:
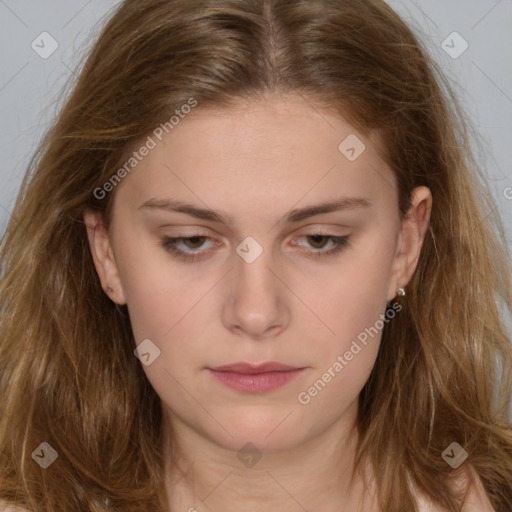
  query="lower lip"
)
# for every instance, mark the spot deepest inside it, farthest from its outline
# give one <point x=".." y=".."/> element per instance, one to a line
<point x="256" y="382"/>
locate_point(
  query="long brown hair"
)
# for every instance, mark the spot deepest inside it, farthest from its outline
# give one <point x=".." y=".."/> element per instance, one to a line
<point x="68" y="376"/>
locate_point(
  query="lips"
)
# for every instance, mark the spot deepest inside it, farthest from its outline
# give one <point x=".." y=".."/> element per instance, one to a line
<point x="248" y="368"/>
<point x="255" y="378"/>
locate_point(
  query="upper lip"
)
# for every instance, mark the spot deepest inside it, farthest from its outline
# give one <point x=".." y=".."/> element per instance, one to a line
<point x="254" y="368"/>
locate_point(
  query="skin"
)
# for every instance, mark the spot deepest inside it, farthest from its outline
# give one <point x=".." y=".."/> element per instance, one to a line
<point x="256" y="163"/>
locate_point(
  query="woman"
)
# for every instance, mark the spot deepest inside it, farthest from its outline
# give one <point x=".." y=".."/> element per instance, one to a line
<point x="252" y="269"/>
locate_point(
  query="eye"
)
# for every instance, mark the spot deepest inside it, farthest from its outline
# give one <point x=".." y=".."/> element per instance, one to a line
<point x="338" y="243"/>
<point x="192" y="247"/>
<point x="196" y="241"/>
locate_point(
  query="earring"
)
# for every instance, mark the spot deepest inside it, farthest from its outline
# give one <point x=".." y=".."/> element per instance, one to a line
<point x="401" y="292"/>
<point x="109" y="288"/>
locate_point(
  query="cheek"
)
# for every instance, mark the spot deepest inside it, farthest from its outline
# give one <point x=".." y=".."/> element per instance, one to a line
<point x="170" y="305"/>
<point x="350" y="296"/>
<point x="149" y="304"/>
<point x="165" y="306"/>
<point x="352" y="307"/>
<point x="159" y="292"/>
<point x="343" y="364"/>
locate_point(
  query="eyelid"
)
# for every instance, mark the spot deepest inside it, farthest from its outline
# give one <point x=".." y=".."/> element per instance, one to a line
<point x="305" y="231"/>
<point x="339" y="243"/>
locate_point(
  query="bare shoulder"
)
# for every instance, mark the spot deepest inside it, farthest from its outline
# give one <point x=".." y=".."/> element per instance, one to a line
<point x="476" y="500"/>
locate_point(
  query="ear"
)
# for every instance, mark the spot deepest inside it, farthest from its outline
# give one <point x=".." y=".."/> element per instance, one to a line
<point x="410" y="240"/>
<point x="103" y="256"/>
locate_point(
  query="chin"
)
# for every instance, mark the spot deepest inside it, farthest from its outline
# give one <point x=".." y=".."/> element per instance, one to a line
<point x="269" y="431"/>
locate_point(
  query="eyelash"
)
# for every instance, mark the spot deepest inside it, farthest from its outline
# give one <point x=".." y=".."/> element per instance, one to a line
<point x="169" y="244"/>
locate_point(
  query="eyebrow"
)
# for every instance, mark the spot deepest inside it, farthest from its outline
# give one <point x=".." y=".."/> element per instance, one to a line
<point x="297" y="215"/>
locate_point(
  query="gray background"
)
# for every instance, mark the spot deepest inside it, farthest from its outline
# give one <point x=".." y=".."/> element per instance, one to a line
<point x="31" y="86"/>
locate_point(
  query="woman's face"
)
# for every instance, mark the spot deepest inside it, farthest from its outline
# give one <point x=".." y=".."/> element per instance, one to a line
<point x="256" y="285"/>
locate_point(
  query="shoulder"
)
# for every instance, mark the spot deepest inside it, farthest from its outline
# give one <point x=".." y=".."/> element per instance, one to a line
<point x="476" y="499"/>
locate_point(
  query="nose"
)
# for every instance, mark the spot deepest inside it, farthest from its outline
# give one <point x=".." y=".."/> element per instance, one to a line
<point x="257" y="304"/>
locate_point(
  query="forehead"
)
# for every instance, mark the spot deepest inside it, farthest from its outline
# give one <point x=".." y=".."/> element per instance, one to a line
<point x="283" y="149"/>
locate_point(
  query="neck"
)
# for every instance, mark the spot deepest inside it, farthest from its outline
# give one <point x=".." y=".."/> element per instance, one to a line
<point x="317" y="475"/>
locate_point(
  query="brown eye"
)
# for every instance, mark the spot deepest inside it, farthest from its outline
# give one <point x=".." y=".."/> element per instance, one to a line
<point x="317" y="240"/>
<point x="191" y="245"/>
<point x="321" y="240"/>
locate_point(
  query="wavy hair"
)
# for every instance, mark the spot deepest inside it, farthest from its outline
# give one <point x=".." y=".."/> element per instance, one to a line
<point x="68" y="376"/>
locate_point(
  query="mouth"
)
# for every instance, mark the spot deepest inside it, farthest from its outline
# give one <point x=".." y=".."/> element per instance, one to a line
<point x="255" y="378"/>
